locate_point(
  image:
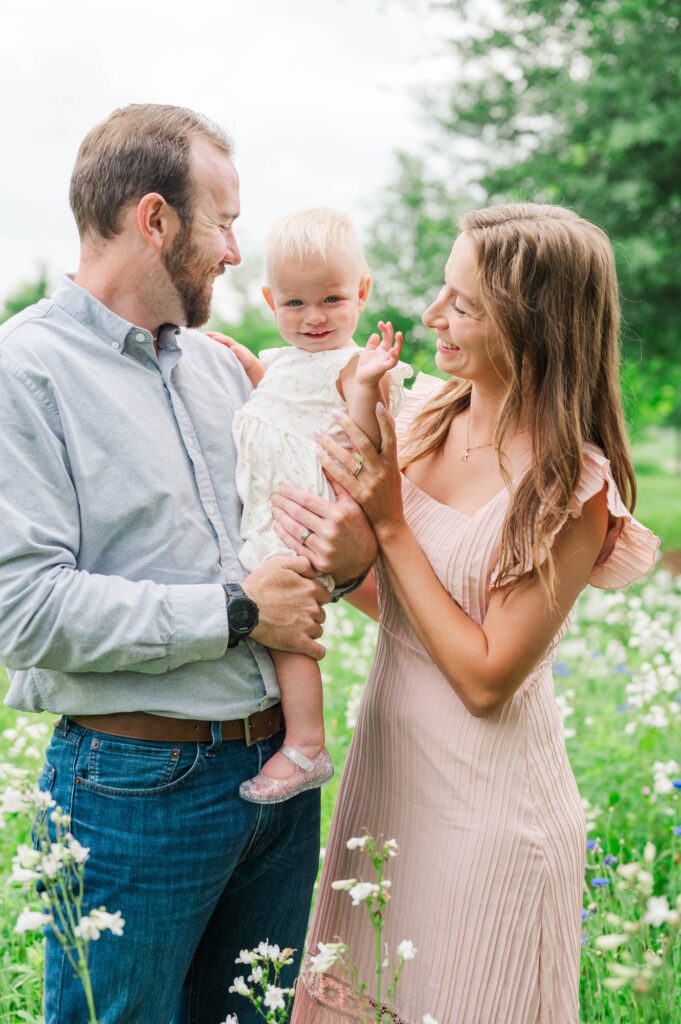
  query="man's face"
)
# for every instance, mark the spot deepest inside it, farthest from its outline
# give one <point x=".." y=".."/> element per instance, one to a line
<point x="202" y="248"/>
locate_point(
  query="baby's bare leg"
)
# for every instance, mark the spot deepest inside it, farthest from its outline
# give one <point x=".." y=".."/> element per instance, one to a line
<point x="300" y="682"/>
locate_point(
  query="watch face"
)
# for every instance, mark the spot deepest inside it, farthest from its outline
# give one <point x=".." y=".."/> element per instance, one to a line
<point x="241" y="615"/>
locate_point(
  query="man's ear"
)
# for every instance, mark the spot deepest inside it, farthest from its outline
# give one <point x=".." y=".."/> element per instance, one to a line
<point x="269" y="298"/>
<point x="156" y="221"/>
<point x="364" y="289"/>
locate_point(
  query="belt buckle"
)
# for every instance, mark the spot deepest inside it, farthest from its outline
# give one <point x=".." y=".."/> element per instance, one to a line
<point x="247" y="732"/>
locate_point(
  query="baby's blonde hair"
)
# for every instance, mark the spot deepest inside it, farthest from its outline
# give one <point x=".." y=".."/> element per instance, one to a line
<point x="316" y="233"/>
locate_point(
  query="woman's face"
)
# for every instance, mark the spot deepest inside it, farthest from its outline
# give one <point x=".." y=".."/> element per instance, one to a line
<point x="466" y="342"/>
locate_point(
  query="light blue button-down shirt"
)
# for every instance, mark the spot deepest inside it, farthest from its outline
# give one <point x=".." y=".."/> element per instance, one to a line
<point x="119" y="518"/>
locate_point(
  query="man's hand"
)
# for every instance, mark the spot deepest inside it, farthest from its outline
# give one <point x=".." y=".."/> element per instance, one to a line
<point x="289" y="600"/>
<point x="337" y="537"/>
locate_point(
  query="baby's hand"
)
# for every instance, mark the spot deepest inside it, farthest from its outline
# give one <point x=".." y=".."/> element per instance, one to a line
<point x="380" y="355"/>
<point x="250" y="363"/>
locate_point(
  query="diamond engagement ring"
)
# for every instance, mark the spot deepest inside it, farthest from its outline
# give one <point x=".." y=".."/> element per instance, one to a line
<point x="359" y="459"/>
<point x="304" y="535"/>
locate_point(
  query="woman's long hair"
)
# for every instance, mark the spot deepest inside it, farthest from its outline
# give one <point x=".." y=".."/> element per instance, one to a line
<point x="548" y="287"/>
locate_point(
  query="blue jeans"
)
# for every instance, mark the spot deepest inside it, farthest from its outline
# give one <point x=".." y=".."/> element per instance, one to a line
<point x="198" y="874"/>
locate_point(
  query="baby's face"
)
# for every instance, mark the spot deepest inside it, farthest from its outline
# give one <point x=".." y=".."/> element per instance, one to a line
<point x="317" y="302"/>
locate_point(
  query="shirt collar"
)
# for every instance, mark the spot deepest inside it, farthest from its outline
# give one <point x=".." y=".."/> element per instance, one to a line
<point x="106" y="325"/>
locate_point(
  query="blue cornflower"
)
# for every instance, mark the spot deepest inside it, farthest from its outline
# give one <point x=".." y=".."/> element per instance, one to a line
<point x="591" y="844"/>
<point x="677" y="830"/>
<point x="610" y="860"/>
<point x="623" y="707"/>
<point x="561" y="668"/>
<point x="620" y="669"/>
<point x="598" y="883"/>
<point x="676" y="783"/>
<point x="585" y="913"/>
<point x="585" y="939"/>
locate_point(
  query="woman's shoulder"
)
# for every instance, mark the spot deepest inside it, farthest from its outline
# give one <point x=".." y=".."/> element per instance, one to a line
<point x="630" y="548"/>
<point x="424" y="388"/>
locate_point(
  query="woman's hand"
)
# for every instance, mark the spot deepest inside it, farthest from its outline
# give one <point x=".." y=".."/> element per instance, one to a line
<point x="250" y="363"/>
<point x="334" y="535"/>
<point x="372" y="478"/>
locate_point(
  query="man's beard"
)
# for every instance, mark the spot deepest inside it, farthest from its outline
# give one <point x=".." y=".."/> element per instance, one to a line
<point x="190" y="276"/>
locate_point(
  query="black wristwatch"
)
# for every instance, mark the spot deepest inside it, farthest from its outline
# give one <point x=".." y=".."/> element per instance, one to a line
<point x="242" y="613"/>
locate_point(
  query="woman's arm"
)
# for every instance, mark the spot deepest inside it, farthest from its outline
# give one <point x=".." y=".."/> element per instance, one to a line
<point x="485" y="664"/>
<point x="365" y="598"/>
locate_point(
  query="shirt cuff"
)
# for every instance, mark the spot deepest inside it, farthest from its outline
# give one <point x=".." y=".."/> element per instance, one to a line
<point x="348" y="588"/>
<point x="201" y="626"/>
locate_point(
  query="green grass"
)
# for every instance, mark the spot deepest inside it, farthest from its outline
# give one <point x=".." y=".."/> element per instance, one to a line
<point x="619" y="693"/>
<point x="659" y="507"/>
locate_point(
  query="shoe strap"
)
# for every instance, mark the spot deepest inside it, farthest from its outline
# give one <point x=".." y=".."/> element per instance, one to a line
<point x="297" y="758"/>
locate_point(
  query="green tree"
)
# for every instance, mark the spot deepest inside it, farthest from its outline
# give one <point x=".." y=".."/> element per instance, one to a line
<point x="25" y="295"/>
<point x="579" y="103"/>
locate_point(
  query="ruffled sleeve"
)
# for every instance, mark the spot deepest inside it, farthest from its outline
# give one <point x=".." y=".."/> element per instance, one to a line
<point x="425" y="387"/>
<point x="268" y="355"/>
<point x="630" y="548"/>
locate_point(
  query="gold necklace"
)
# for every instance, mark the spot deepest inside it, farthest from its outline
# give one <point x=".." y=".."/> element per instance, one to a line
<point x="490" y="444"/>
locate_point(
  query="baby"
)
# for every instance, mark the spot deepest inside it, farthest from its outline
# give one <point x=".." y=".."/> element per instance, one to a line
<point x="317" y="286"/>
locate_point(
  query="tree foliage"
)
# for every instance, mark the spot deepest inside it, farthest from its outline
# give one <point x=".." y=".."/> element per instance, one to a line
<point x="25" y="295"/>
<point x="575" y="102"/>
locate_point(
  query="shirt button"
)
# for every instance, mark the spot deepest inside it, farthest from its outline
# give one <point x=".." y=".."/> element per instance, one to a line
<point x="115" y="344"/>
<point x="140" y="337"/>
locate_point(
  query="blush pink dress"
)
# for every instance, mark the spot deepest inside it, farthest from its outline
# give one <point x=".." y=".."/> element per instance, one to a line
<point x="488" y="881"/>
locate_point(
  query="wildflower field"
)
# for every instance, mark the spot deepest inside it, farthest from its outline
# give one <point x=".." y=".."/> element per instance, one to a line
<point x="618" y="684"/>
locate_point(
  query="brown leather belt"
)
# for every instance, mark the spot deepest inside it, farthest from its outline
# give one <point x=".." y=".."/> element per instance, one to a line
<point x="140" y="725"/>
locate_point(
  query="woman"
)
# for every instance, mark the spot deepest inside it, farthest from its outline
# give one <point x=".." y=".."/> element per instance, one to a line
<point x="514" y="493"/>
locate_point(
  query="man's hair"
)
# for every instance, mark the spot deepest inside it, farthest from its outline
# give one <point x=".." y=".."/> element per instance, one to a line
<point x="317" y="233"/>
<point x="141" y="148"/>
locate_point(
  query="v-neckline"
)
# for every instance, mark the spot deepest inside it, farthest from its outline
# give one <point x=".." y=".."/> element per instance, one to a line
<point x="450" y="508"/>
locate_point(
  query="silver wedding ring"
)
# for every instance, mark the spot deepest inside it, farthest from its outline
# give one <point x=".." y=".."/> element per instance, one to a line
<point x="304" y="535"/>
<point x="359" y="459"/>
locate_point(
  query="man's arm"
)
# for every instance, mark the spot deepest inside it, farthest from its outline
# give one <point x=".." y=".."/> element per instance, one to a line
<point x="54" y="615"/>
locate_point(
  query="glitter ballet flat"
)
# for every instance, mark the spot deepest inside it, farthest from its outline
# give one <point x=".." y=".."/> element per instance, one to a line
<point x="312" y="774"/>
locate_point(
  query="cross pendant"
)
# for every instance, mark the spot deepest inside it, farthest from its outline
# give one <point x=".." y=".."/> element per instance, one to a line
<point x="465" y="455"/>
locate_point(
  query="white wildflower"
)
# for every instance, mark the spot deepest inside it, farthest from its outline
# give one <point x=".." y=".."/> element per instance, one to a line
<point x="107" y="922"/>
<point x="362" y="891"/>
<point x="79" y="853"/>
<point x="13" y="801"/>
<point x="88" y="929"/>
<point x="658" y="912"/>
<point x="391" y="848"/>
<point x="344" y="884"/>
<point x="274" y="998"/>
<point x="406" y="950"/>
<point x="240" y="987"/>
<point x="357" y="842"/>
<point x="427" y="1019"/>
<point x="246" y="956"/>
<point x="329" y="954"/>
<point x="609" y="941"/>
<point x="31" y="921"/>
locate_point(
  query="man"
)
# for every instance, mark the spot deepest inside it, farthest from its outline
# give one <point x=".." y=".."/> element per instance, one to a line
<point x="121" y="608"/>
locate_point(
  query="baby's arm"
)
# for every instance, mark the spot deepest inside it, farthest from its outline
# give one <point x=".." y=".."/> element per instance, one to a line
<point x="251" y="363"/>
<point x="367" y="385"/>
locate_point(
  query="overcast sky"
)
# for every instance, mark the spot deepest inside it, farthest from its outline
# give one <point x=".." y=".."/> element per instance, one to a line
<point x="318" y="95"/>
